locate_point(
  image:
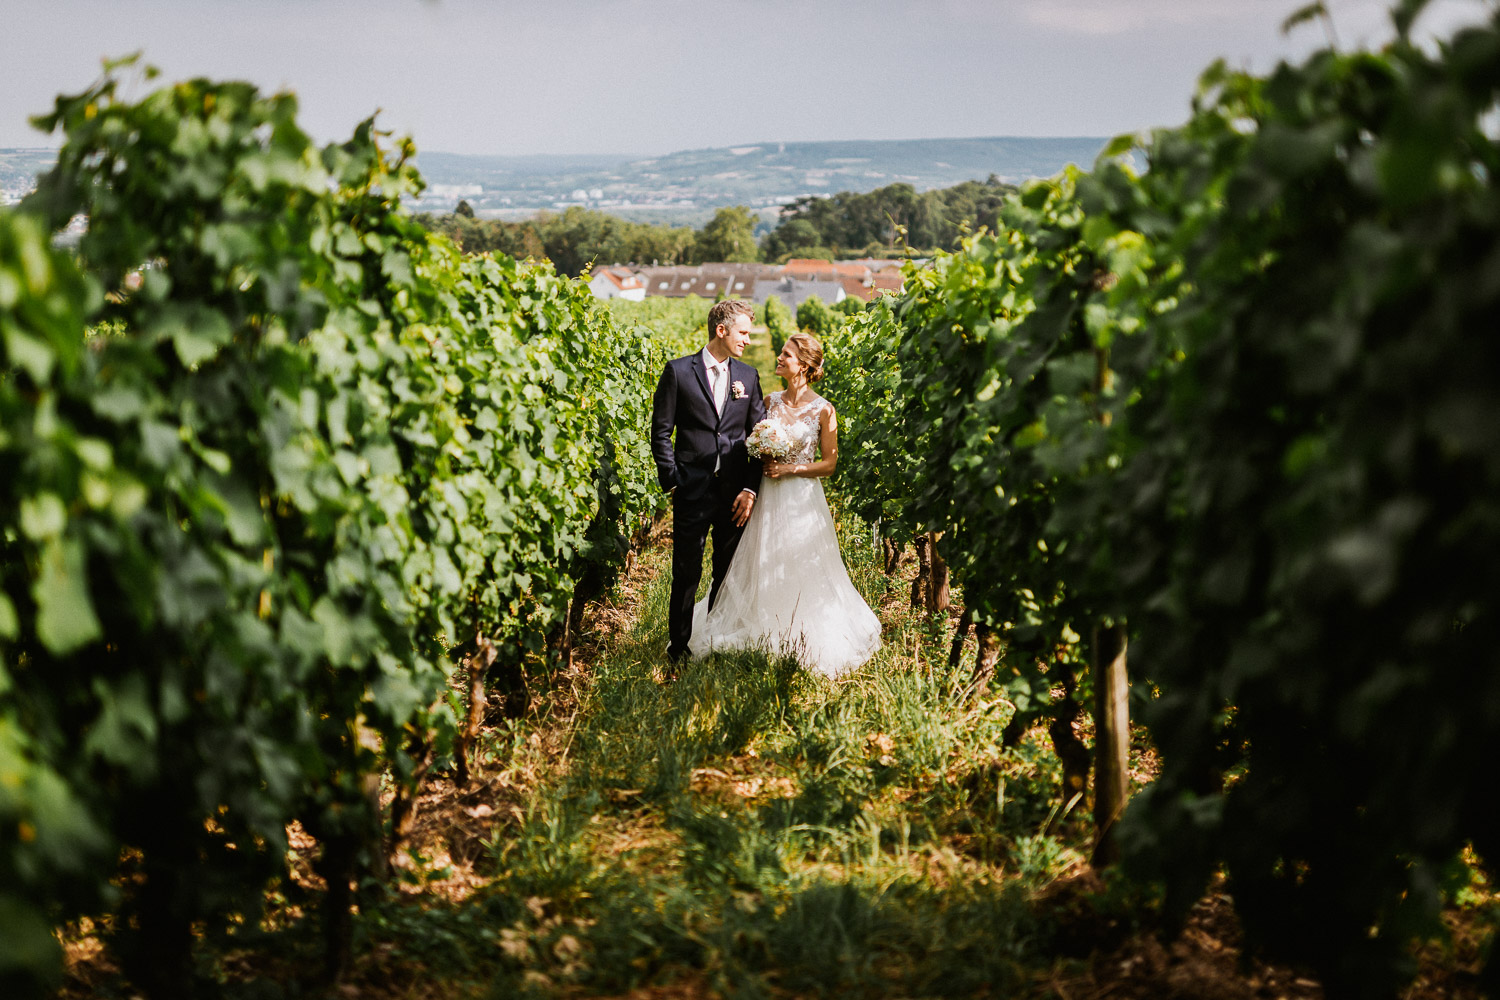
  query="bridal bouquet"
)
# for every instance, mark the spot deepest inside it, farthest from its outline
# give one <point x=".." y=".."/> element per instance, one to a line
<point x="769" y="441"/>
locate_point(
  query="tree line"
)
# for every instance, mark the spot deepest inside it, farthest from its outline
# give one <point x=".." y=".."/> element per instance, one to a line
<point x="888" y="221"/>
<point x="885" y="221"/>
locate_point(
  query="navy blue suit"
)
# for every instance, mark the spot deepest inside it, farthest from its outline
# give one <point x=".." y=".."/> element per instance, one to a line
<point x="703" y="499"/>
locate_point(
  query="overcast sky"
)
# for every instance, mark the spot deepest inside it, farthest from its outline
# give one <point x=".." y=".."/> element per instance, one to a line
<point x="643" y="77"/>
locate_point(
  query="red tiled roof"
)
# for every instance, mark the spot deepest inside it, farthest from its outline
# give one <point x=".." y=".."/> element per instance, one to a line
<point x="855" y="288"/>
<point x="809" y="269"/>
<point x="823" y="270"/>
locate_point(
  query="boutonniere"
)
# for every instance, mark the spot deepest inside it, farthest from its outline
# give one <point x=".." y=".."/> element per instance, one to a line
<point x="738" y="390"/>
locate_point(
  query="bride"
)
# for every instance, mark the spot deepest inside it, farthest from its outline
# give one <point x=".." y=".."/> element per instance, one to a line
<point x="787" y="589"/>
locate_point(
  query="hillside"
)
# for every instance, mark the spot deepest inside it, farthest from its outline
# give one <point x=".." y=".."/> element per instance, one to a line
<point x="757" y="174"/>
<point x="763" y="175"/>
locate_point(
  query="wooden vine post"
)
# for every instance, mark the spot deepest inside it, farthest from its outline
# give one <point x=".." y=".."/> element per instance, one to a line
<point x="479" y="664"/>
<point x="929" y="590"/>
<point x="1111" y="737"/>
<point x="1111" y="692"/>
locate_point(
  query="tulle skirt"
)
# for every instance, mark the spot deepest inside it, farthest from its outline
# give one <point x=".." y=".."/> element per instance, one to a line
<point x="787" y="590"/>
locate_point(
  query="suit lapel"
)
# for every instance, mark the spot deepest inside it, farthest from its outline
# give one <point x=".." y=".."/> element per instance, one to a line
<point x="702" y="373"/>
<point x="738" y="372"/>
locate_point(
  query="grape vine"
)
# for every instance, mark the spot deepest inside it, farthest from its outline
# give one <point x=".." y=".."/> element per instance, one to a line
<point x="1239" y="405"/>
<point x="246" y="532"/>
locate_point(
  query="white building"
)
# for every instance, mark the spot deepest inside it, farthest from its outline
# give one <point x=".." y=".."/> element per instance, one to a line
<point x="617" y="283"/>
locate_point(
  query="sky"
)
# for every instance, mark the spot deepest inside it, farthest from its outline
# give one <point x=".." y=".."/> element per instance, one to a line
<point x="647" y="77"/>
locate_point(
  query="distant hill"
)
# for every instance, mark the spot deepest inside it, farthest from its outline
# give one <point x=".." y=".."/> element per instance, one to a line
<point x="757" y="174"/>
<point x="691" y="182"/>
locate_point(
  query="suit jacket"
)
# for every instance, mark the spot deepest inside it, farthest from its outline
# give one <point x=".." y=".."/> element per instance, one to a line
<point x="683" y="401"/>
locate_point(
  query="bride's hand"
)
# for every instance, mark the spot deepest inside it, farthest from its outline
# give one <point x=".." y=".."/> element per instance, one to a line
<point x="777" y="469"/>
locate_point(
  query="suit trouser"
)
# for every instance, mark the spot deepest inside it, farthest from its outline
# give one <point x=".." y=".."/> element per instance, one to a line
<point x="692" y="519"/>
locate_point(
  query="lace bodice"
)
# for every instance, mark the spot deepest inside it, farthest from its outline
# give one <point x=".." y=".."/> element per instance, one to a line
<point x="802" y="422"/>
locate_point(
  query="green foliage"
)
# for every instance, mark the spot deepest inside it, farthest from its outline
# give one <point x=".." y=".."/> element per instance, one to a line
<point x="1325" y="458"/>
<point x="795" y="236"/>
<point x="729" y="236"/>
<point x="877" y="455"/>
<point x="240" y="531"/>
<point x="1239" y="401"/>
<point x="800" y="253"/>
<point x="572" y="239"/>
<point x="846" y="224"/>
<point x="991" y="355"/>
<point x="816" y="316"/>
<point x="849" y="305"/>
<point x="779" y="323"/>
<point x="851" y="223"/>
<point x="678" y="326"/>
<point x="578" y="237"/>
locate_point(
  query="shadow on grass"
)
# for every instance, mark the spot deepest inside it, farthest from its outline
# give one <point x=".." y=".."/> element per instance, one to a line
<point x="618" y="931"/>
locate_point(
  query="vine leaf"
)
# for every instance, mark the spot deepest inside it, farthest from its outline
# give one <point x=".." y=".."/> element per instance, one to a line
<point x="1302" y="15"/>
<point x="1405" y="13"/>
<point x="65" y="618"/>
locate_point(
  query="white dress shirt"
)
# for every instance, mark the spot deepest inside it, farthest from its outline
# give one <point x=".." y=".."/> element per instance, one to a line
<point x="718" y="378"/>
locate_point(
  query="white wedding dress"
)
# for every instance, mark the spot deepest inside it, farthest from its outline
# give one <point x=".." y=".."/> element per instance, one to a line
<point x="787" y="590"/>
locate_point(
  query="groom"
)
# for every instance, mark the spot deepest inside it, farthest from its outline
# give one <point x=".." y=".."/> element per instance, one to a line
<point x="712" y="399"/>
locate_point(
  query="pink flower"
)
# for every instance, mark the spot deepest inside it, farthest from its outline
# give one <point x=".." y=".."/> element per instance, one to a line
<point x="738" y="390"/>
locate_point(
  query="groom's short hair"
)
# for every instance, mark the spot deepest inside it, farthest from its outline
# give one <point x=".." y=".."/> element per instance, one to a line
<point x="723" y="312"/>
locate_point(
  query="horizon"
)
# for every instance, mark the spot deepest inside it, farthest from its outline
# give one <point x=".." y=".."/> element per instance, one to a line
<point x="695" y="149"/>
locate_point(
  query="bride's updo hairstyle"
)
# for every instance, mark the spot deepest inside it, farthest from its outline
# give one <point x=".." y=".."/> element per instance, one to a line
<point x="809" y="352"/>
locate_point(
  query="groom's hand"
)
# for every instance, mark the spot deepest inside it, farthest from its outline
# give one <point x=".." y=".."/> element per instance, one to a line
<point x="741" y="510"/>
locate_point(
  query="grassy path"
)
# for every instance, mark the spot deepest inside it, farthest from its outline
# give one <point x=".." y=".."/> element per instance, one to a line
<point x="750" y="830"/>
<point x="754" y="829"/>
